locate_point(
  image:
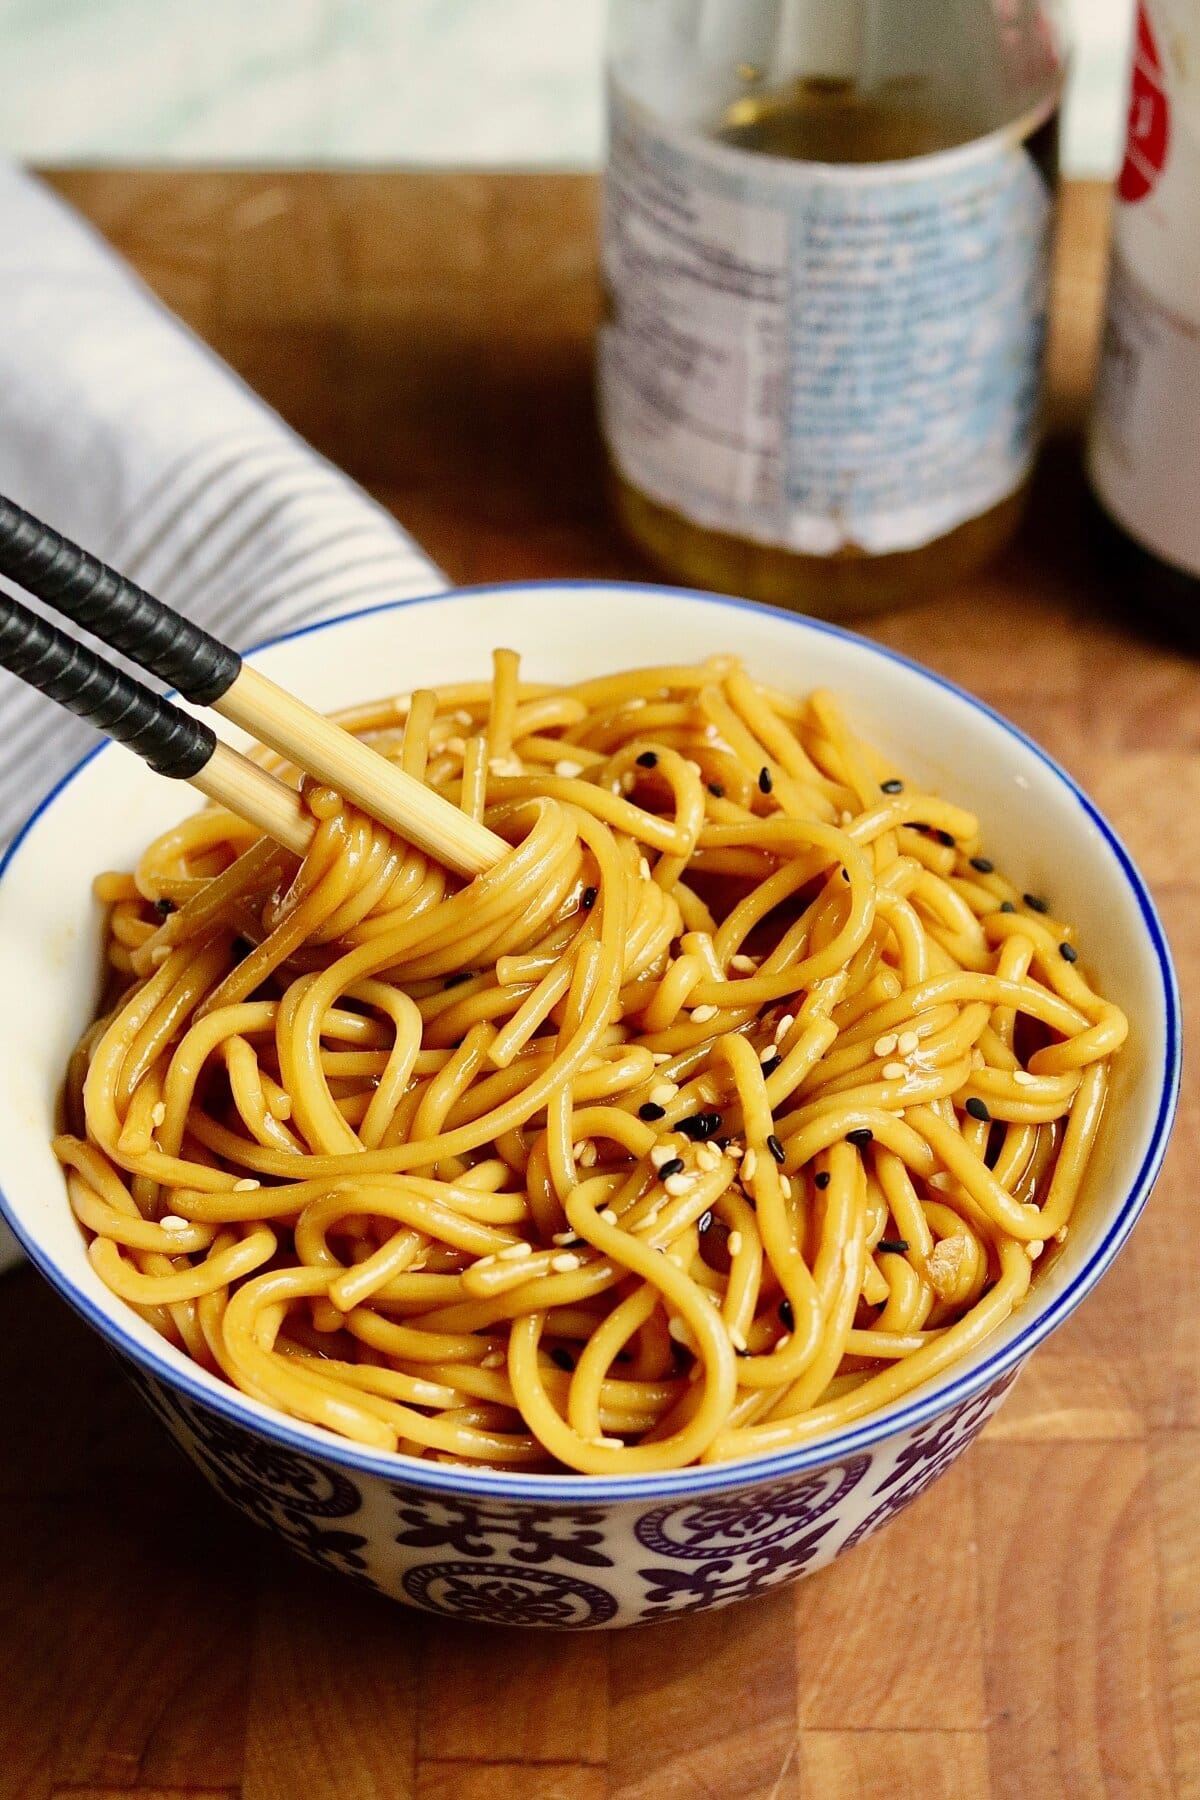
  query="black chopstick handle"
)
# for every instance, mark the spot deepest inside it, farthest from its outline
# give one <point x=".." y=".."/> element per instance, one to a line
<point x="171" y="741"/>
<point x="76" y="583"/>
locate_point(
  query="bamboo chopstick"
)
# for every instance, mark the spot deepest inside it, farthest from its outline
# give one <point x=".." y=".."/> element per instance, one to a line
<point x="170" y="740"/>
<point x="209" y="673"/>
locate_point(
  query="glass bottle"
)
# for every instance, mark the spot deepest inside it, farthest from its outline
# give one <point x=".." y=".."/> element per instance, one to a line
<point x="1143" y="445"/>
<point x="826" y="243"/>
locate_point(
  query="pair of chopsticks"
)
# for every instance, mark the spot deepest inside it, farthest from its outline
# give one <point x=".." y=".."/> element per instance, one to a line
<point x="208" y="673"/>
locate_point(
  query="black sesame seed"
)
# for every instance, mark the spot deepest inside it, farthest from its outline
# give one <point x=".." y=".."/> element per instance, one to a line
<point x="776" y="1148"/>
<point x="1035" y="903"/>
<point x="674" y="1167"/>
<point x="894" y="1246"/>
<point x="946" y="838"/>
<point x="647" y="760"/>
<point x="590" y="897"/>
<point x="845" y="874"/>
<point x="921" y="825"/>
<point x="770" y="1066"/>
<point x="1007" y="906"/>
<point x="716" y="790"/>
<point x="457" y="979"/>
<point x="894" y="786"/>
<point x="562" y="1359"/>
<point x="978" y="1110"/>
<point x="822" y="1179"/>
<point x="1068" y="952"/>
<point x="700" y="1126"/>
<point x="765" y="784"/>
<point x="983" y="864"/>
<point x="860" y="1137"/>
<point x="704" y="1221"/>
<point x="786" y="1315"/>
<point x="650" y="1112"/>
<point x="164" y="907"/>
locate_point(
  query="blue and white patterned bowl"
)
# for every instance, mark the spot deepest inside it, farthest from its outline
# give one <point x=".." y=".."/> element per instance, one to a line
<point x="576" y="1552"/>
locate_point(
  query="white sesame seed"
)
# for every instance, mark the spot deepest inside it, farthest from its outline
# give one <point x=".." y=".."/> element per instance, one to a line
<point x="504" y="765"/>
<point x="493" y="1360"/>
<point x="456" y="746"/>
<point x="784" y="1341"/>
<point x="1060" y="1236"/>
<point x="702" y="1014"/>
<point x="609" y="1216"/>
<point x="845" y="817"/>
<point x="785" y="1183"/>
<point x="643" y="868"/>
<point x="663" y="1093"/>
<point x="514" y="1252"/>
<point x="159" y="955"/>
<point x="784" y="1026"/>
<point x="708" y="1157"/>
<point x="768" y="1053"/>
<point x="566" y="1264"/>
<point x="681" y="1331"/>
<point x="660" y="1056"/>
<point x="568" y="768"/>
<point x="485" y="1262"/>
<point x="711" y="732"/>
<point x="894" y="1071"/>
<point x="609" y="1443"/>
<point x="662" y="1153"/>
<point x="564" y="1237"/>
<point x="679" y="1184"/>
<point x="462" y="717"/>
<point x="693" y="766"/>
<point x="246" y="1185"/>
<point x="1023" y="1078"/>
<point x="735" y="1243"/>
<point x="735" y="1151"/>
<point x="173" y="1222"/>
<point x="158" y="1113"/>
<point x="587" y="1154"/>
<point x="742" y="964"/>
<point x="1035" y="1249"/>
<point x="907" y="1042"/>
<point x="736" y="1338"/>
<point x="749" y="1164"/>
<point x="885" y="1044"/>
<point x="616" y="787"/>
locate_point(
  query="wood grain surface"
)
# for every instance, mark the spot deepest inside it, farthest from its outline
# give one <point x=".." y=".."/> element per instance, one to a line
<point x="1032" y="1626"/>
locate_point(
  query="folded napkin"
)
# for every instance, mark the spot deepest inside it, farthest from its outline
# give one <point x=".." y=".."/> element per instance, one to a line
<point x="122" y="429"/>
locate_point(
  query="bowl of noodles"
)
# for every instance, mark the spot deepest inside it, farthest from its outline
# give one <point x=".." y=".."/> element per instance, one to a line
<point x="649" y="1220"/>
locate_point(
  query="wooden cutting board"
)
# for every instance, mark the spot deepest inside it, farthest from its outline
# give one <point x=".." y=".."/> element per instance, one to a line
<point x="1032" y="1626"/>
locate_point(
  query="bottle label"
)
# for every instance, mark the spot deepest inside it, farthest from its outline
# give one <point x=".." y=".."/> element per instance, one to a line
<point x="1143" y="449"/>
<point x="819" y="356"/>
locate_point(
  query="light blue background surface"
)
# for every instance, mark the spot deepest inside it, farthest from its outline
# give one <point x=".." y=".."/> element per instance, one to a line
<point x="499" y="82"/>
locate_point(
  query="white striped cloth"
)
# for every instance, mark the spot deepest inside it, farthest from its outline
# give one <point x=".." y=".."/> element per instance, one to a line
<point x="122" y="429"/>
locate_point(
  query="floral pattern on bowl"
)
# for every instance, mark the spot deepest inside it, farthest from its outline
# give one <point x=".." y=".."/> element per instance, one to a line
<point x="554" y="1564"/>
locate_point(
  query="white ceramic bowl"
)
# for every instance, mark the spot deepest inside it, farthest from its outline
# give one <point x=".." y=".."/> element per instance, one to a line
<point x="580" y="1551"/>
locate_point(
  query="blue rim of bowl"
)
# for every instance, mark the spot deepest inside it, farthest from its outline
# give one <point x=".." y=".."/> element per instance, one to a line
<point x="679" y="1484"/>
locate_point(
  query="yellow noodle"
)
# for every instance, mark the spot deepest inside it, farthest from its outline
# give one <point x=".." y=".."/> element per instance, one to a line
<point x="703" y="1124"/>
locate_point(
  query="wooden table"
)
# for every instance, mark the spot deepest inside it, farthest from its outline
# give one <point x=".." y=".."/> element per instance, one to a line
<point x="1032" y="1627"/>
